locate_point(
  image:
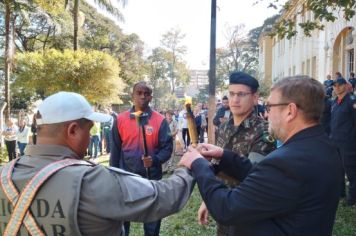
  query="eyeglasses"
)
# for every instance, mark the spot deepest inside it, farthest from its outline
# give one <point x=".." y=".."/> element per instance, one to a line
<point x="268" y="106"/>
<point x="239" y="94"/>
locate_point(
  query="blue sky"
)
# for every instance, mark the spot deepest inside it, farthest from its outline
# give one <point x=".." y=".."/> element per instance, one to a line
<point x="150" y="19"/>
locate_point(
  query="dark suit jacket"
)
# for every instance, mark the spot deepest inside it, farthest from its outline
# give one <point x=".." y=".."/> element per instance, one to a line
<point x="293" y="191"/>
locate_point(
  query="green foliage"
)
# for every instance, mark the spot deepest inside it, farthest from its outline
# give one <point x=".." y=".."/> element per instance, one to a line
<point x="93" y="74"/>
<point x="327" y="10"/>
<point x="103" y="34"/>
<point x="203" y="95"/>
<point x="265" y="88"/>
<point x="3" y="155"/>
<point x="172" y="42"/>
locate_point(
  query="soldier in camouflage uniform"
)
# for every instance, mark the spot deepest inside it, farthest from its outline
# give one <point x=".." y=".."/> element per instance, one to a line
<point x="245" y="133"/>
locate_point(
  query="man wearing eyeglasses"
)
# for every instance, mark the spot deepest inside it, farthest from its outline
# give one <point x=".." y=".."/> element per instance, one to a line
<point x="343" y="133"/>
<point x="294" y="190"/>
<point x="245" y="133"/>
<point x="141" y="143"/>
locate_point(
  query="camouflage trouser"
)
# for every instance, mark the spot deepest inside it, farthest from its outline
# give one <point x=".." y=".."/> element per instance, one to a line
<point x="221" y="230"/>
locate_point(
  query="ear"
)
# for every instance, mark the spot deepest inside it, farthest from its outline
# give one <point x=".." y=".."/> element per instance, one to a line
<point x="72" y="130"/>
<point x="256" y="95"/>
<point x="292" y="111"/>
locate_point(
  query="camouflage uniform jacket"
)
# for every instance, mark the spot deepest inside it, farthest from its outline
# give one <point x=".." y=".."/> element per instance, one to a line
<point x="250" y="136"/>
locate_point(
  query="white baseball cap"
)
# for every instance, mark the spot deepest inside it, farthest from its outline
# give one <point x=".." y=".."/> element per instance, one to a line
<point x="65" y="106"/>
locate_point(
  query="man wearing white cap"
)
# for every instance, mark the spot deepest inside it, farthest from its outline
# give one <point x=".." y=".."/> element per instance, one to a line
<point x="52" y="191"/>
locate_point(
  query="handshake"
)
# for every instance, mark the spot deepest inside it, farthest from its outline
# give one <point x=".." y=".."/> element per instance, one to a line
<point x="203" y="150"/>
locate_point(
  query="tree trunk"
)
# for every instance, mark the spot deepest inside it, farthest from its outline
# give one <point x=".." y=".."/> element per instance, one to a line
<point x="173" y="75"/>
<point x="8" y="57"/>
<point x="75" y="24"/>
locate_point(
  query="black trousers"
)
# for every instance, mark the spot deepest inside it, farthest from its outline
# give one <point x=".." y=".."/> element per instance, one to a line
<point x="11" y="149"/>
<point x="186" y="137"/>
<point x="150" y="228"/>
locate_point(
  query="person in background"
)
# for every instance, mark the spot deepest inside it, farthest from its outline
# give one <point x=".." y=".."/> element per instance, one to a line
<point x="106" y="129"/>
<point x="352" y="81"/>
<point x="23" y="135"/>
<point x="34" y="130"/>
<point x="260" y="109"/>
<point x="328" y="85"/>
<point x="127" y="149"/>
<point x="223" y="113"/>
<point x="10" y="136"/>
<point x="183" y="127"/>
<point x="173" y="126"/>
<point x="204" y="112"/>
<point x="343" y="134"/>
<point x="94" y="140"/>
<point x="198" y="119"/>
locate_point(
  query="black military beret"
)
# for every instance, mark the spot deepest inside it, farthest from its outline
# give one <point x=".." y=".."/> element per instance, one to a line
<point x="339" y="81"/>
<point x="239" y="77"/>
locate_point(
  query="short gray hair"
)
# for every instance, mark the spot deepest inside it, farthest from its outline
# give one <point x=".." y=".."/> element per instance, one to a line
<point x="307" y="93"/>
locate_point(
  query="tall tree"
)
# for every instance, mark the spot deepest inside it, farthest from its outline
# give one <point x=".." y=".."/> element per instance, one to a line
<point x="9" y="52"/>
<point x="172" y="41"/>
<point x="104" y="4"/>
<point x="17" y="11"/>
<point x="158" y="71"/>
<point x="240" y="53"/>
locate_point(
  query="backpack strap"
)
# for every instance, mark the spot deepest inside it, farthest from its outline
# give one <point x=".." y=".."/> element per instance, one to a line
<point x="22" y="203"/>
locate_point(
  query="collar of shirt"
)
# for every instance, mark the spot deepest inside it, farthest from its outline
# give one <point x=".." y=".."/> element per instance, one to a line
<point x="339" y="100"/>
<point x="246" y="123"/>
<point x="55" y="152"/>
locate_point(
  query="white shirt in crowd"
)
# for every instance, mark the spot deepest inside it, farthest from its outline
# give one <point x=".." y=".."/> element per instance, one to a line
<point x="182" y="120"/>
<point x="10" y="133"/>
<point x="23" y="134"/>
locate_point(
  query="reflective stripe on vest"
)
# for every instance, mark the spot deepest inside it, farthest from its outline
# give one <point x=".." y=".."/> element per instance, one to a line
<point x="12" y="194"/>
<point x="23" y="202"/>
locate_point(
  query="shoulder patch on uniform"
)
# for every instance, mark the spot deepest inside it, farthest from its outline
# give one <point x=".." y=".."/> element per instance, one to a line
<point x="267" y="138"/>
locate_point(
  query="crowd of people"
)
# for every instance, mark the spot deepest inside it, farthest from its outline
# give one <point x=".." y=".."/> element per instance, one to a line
<point x="266" y="175"/>
<point x="17" y="135"/>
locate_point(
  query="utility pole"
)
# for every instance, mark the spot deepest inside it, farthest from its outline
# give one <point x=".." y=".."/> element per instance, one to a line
<point x="212" y="74"/>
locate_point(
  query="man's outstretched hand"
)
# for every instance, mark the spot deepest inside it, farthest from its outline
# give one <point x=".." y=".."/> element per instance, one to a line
<point x="203" y="150"/>
<point x="210" y="151"/>
<point x="189" y="157"/>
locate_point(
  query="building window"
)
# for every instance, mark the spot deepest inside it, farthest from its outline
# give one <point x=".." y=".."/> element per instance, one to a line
<point x="351" y="61"/>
